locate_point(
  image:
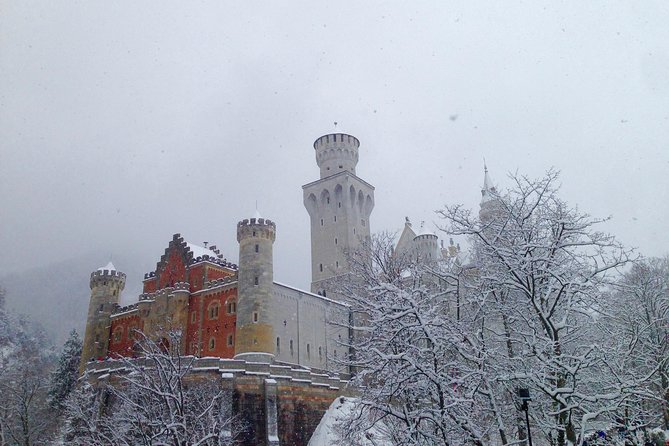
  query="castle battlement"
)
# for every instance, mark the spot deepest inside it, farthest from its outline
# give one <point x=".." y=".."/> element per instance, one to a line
<point x="336" y="152"/>
<point x="426" y="237"/>
<point x="219" y="282"/>
<point x="120" y="311"/>
<point x="103" y="276"/>
<point x="256" y="227"/>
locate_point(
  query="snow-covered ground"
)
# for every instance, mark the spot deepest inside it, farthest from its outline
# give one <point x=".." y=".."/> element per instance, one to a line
<point x="336" y="418"/>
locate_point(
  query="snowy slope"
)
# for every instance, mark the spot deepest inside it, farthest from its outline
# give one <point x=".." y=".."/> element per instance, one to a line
<point x="340" y="410"/>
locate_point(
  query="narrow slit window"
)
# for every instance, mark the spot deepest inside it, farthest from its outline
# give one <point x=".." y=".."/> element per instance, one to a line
<point x="257" y="249"/>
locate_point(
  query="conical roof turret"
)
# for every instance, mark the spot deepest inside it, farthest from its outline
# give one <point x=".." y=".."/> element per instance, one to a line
<point x="488" y="191"/>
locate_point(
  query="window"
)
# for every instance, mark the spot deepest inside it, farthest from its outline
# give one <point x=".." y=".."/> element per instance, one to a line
<point x="337" y="263"/>
<point x="255" y="317"/>
<point x="256" y="247"/>
<point x="308" y="352"/>
<point x="353" y="231"/>
<point x="193" y="347"/>
<point x="362" y="222"/>
<point x="335" y="218"/>
<point x="255" y="280"/>
<point x="321" y="222"/>
<point x="231" y="341"/>
<point x="320" y="353"/>
<point x="231" y="307"/>
<point x="254" y="233"/>
<point x="212" y="343"/>
<point x="278" y="345"/>
<point x="320" y="267"/>
<point x="328" y="200"/>
<point x="291" y="348"/>
<point x="118" y="332"/>
<point x="101" y="307"/>
<point x="193" y="315"/>
<point x="335" y="240"/>
<point x="340" y="204"/>
<point x="213" y="310"/>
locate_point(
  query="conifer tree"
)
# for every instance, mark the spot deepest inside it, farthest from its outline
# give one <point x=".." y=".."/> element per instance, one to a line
<point x="64" y="377"/>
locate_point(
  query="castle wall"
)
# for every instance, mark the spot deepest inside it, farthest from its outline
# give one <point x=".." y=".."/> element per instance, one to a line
<point x="123" y="333"/>
<point x="211" y="323"/>
<point x="274" y="402"/>
<point x="304" y="319"/>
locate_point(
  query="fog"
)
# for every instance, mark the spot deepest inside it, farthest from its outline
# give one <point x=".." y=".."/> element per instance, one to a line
<point x="122" y="123"/>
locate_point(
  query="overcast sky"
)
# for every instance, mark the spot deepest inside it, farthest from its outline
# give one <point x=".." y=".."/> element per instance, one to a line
<point x="124" y="122"/>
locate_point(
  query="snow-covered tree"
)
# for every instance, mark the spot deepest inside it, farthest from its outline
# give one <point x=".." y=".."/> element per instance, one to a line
<point x="64" y="377"/>
<point x="24" y="364"/>
<point x="418" y="370"/>
<point x="441" y="348"/>
<point x="157" y="400"/>
<point x="637" y="323"/>
<point x="542" y="269"/>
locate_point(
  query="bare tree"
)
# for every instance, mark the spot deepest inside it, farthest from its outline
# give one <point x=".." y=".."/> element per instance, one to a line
<point x="157" y="401"/>
<point x="637" y="324"/>
<point x="441" y="348"/>
<point x="24" y="367"/>
<point x="542" y="269"/>
<point x="417" y="367"/>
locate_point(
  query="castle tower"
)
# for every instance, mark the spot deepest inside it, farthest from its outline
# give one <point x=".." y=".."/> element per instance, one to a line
<point x="254" y="337"/>
<point x="106" y="286"/>
<point x="339" y="205"/>
<point x="426" y="245"/>
<point x="489" y="198"/>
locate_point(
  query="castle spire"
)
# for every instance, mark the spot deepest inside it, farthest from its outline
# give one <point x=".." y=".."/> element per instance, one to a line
<point x="488" y="188"/>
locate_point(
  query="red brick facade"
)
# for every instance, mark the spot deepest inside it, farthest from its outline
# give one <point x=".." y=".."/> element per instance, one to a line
<point x="209" y="316"/>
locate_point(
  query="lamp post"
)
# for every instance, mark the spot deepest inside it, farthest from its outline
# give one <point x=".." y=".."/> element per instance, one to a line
<point x="524" y="395"/>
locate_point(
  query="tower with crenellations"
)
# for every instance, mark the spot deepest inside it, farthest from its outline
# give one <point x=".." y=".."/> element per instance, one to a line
<point x="106" y="285"/>
<point x="254" y="333"/>
<point x="339" y="206"/>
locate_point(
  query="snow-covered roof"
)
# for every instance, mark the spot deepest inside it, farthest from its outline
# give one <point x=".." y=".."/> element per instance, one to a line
<point x="109" y="267"/>
<point x="199" y="251"/>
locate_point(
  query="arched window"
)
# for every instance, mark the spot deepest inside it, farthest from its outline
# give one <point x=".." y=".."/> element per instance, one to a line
<point x="213" y="310"/>
<point x="231" y="306"/>
<point x="212" y="343"/>
<point x="118" y="334"/>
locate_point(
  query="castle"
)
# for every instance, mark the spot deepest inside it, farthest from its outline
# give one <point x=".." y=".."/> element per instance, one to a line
<point x="238" y="319"/>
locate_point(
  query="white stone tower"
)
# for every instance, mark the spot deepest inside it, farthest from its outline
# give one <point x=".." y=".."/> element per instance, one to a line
<point x="254" y="335"/>
<point x="106" y="286"/>
<point x="339" y="204"/>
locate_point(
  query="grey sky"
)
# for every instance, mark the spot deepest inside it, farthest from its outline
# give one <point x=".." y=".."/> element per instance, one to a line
<point x="122" y="123"/>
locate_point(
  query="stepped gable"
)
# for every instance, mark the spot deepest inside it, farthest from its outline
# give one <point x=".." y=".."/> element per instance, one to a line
<point x="189" y="254"/>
